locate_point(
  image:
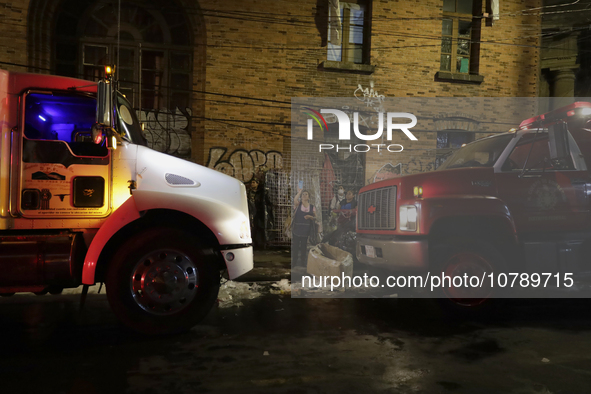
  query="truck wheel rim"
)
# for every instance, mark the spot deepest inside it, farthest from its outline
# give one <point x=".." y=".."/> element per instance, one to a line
<point x="472" y="265"/>
<point x="164" y="282"/>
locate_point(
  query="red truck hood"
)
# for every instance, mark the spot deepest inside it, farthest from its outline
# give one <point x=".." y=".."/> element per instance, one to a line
<point x="444" y="183"/>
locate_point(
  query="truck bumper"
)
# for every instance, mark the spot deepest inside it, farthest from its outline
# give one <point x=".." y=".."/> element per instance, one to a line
<point x="393" y="253"/>
<point x="238" y="260"/>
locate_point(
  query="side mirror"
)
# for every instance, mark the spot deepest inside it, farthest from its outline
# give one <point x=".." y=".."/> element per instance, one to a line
<point x="97" y="133"/>
<point x="559" y="148"/>
<point x="104" y="103"/>
<point x="107" y="133"/>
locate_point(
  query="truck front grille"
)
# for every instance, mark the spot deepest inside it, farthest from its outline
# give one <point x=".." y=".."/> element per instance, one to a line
<point x="377" y="209"/>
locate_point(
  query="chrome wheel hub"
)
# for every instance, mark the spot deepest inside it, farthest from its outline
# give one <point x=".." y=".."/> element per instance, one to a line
<point x="164" y="281"/>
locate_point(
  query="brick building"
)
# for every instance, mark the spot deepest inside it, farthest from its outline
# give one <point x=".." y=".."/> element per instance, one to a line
<point x="213" y="79"/>
<point x="565" y="59"/>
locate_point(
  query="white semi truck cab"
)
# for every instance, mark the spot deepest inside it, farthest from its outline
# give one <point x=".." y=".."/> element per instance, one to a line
<point x="83" y="201"/>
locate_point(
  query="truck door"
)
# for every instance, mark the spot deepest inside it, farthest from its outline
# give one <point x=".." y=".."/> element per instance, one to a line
<point x="63" y="173"/>
<point x="549" y="195"/>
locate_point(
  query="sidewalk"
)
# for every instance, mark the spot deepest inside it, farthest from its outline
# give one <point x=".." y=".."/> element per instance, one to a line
<point x="269" y="265"/>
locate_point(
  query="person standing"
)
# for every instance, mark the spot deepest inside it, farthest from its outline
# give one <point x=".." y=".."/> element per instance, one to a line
<point x="261" y="210"/>
<point x="337" y="199"/>
<point x="304" y="215"/>
<point x="345" y="223"/>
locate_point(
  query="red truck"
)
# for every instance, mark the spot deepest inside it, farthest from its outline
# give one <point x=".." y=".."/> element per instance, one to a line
<point x="512" y="202"/>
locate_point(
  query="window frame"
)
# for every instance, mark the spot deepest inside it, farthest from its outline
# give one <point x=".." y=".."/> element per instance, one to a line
<point x="23" y="111"/>
<point x="164" y="91"/>
<point x="474" y="39"/>
<point x="163" y="96"/>
<point x="347" y="48"/>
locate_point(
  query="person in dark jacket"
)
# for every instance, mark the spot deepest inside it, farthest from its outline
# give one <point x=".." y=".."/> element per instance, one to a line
<point x="260" y="210"/>
<point x="349" y="202"/>
<point x="303" y="217"/>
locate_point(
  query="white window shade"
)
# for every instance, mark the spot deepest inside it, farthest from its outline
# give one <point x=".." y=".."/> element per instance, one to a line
<point x="494" y="6"/>
<point x="334" y="22"/>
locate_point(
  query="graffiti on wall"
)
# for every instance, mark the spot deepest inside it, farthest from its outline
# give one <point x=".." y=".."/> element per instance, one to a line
<point x="167" y="131"/>
<point x="243" y="164"/>
<point x="389" y="170"/>
<point x="370" y="97"/>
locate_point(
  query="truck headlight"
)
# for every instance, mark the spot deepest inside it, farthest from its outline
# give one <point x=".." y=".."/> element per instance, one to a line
<point x="408" y="218"/>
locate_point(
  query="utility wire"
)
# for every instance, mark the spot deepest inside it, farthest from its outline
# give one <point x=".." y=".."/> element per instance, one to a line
<point x="378" y="18"/>
<point x="247" y="121"/>
<point x="381" y="32"/>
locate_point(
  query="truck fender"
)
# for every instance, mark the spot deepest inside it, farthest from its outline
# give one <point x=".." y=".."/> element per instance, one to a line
<point x="437" y="209"/>
<point x="124" y="215"/>
<point x="222" y="219"/>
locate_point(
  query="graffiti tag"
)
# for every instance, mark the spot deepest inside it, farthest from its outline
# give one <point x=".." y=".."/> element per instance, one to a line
<point x="370" y="97"/>
<point x="167" y="131"/>
<point x="242" y="164"/>
<point x="389" y="170"/>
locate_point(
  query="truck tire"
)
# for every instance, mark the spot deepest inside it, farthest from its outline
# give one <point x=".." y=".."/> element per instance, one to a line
<point x="474" y="258"/>
<point x="160" y="281"/>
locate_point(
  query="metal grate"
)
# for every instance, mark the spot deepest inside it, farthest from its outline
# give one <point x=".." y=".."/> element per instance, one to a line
<point x="280" y="185"/>
<point x="277" y="185"/>
<point x="377" y="209"/>
<point x="177" y="180"/>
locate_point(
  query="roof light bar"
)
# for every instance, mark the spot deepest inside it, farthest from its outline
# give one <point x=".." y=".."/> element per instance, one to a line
<point x="560" y="113"/>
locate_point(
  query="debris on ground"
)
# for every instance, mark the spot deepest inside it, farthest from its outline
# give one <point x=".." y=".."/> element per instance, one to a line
<point x="232" y="293"/>
<point x="265" y="353"/>
<point x="545" y="360"/>
<point x="281" y="287"/>
<point x="328" y="260"/>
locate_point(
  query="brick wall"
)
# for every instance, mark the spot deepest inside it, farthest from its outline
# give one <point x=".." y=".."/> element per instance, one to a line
<point x="508" y="63"/>
<point x="13" y="34"/>
<point x="255" y="55"/>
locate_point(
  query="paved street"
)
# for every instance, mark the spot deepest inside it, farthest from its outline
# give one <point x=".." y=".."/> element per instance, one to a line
<point x="274" y="343"/>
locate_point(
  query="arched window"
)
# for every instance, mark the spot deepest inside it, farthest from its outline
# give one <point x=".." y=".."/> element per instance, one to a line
<point x="154" y="55"/>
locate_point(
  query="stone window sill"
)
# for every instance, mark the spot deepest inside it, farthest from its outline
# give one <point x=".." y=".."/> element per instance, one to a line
<point x="446" y="76"/>
<point x="344" y="66"/>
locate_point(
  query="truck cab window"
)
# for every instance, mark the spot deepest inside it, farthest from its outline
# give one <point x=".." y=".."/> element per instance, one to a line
<point x="533" y="148"/>
<point x="540" y="158"/>
<point x="128" y="124"/>
<point x="66" y="120"/>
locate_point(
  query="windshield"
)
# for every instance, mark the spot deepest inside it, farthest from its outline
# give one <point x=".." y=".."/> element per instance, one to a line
<point x="481" y="153"/>
<point x="128" y="124"/>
